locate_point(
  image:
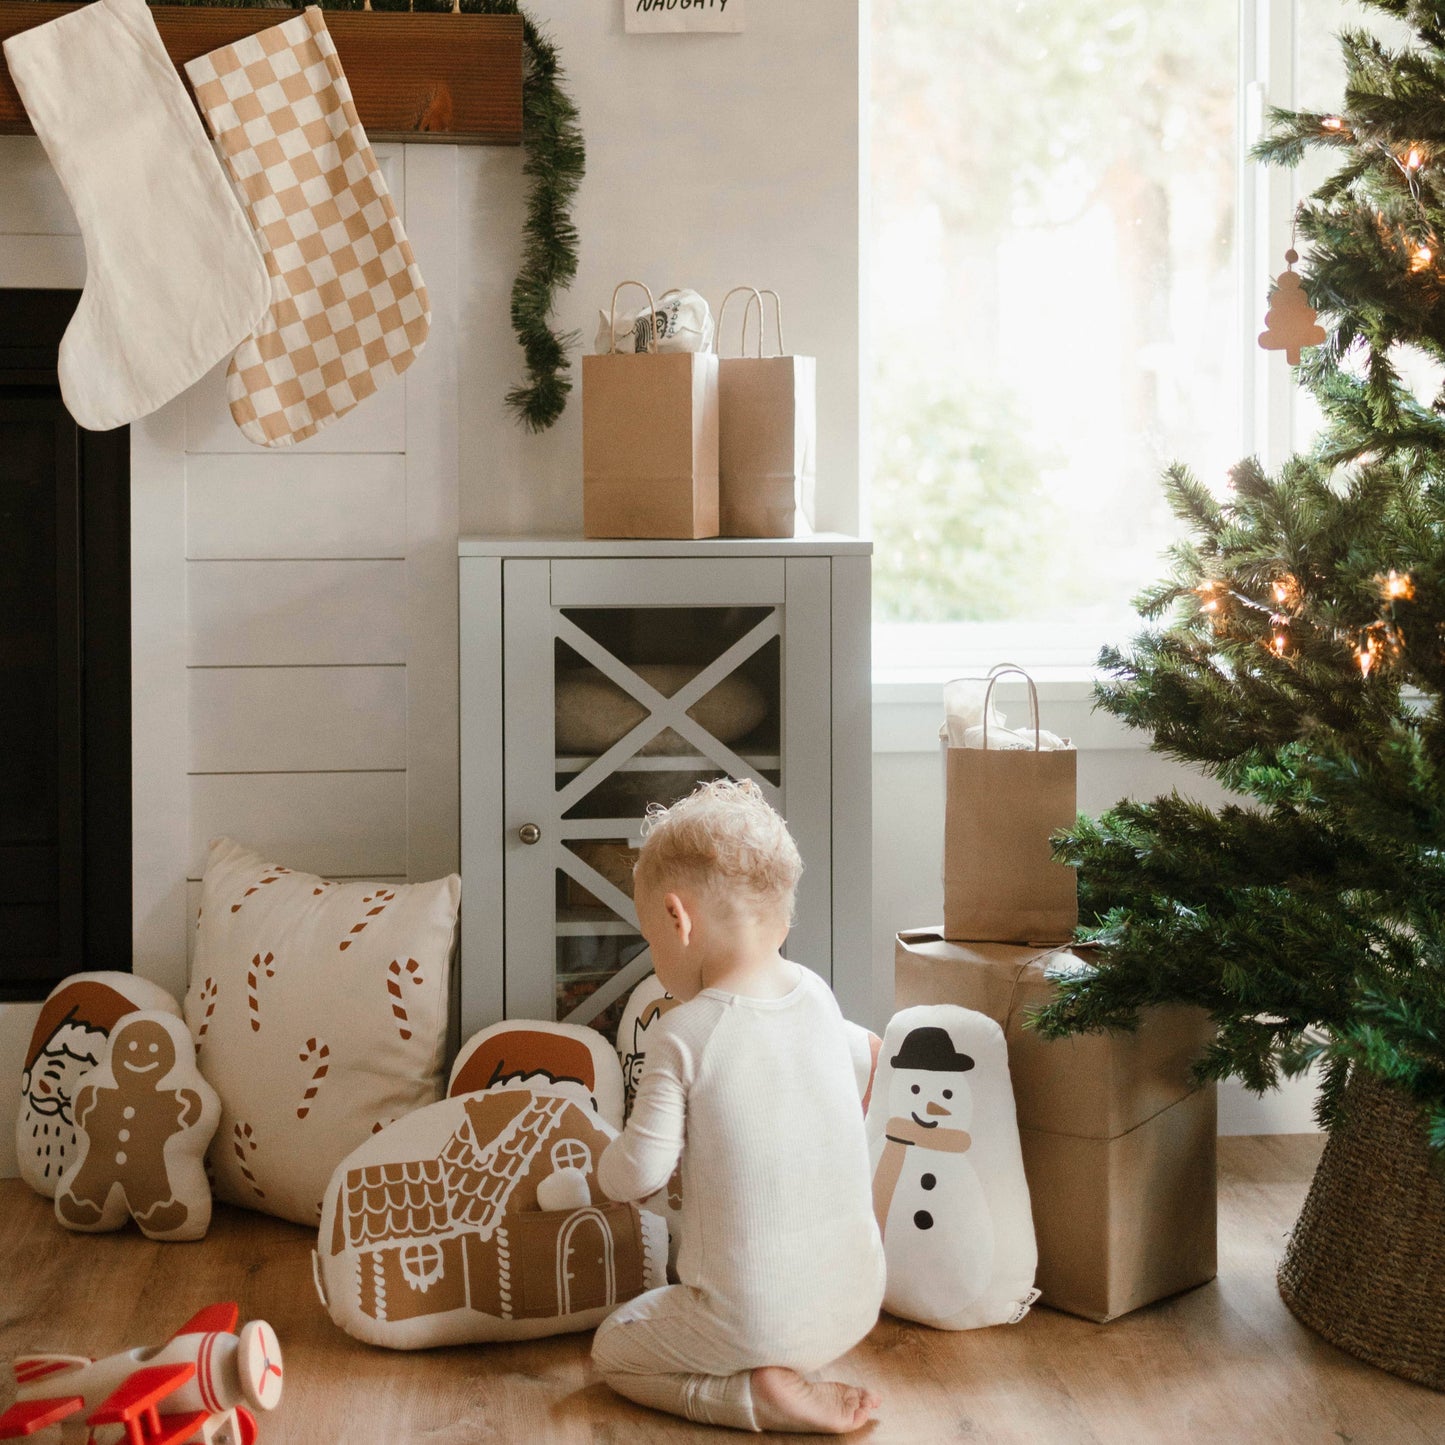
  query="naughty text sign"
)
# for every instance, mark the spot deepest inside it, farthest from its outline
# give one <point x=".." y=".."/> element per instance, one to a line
<point x="670" y="17"/>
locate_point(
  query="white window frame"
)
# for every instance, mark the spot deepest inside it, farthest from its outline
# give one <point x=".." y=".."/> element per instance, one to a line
<point x="911" y="659"/>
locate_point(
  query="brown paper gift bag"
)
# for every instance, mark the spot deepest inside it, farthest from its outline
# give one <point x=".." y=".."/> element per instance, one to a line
<point x="649" y="442"/>
<point x="767" y="434"/>
<point x="1000" y="882"/>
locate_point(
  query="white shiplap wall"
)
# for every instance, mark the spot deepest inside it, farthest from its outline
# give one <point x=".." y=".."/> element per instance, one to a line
<point x="293" y="612"/>
<point x="320" y="645"/>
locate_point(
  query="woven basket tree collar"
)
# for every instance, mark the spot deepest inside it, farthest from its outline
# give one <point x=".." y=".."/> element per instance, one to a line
<point x="349" y="309"/>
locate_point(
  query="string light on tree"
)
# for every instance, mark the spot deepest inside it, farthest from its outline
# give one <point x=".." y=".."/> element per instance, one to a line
<point x="1286" y="591"/>
<point x="1397" y="586"/>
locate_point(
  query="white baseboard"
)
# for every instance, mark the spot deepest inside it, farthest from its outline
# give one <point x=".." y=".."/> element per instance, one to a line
<point x="1288" y="1109"/>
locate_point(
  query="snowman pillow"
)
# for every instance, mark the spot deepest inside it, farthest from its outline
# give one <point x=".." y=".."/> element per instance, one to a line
<point x="948" y="1175"/>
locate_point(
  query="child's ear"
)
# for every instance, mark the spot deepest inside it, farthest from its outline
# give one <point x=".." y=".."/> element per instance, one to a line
<point x="678" y="914"/>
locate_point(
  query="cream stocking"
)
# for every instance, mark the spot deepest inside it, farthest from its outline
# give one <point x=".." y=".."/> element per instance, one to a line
<point x="174" y="278"/>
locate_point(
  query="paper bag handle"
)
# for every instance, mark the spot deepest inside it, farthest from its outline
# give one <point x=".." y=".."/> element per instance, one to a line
<point x="777" y="317"/>
<point x="758" y="294"/>
<point x="1003" y="670"/>
<point x="995" y="669"/>
<point x="612" y="317"/>
<point x="743" y="342"/>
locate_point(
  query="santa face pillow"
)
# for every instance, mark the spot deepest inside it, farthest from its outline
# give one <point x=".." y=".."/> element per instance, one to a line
<point x="66" y="1043"/>
<point x="480" y="1218"/>
<point x="563" y="1058"/>
<point x="948" y="1178"/>
<point x="645" y="1005"/>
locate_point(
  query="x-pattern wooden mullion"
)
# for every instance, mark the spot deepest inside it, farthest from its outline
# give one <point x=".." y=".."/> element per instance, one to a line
<point x="610" y="894"/>
<point x="602" y="998"/>
<point x="601" y="888"/>
<point x="663" y="711"/>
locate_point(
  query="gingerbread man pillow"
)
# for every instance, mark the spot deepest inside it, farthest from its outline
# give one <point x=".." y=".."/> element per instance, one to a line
<point x="143" y="1116"/>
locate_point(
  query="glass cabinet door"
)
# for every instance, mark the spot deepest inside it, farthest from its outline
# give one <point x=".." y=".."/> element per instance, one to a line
<point x="627" y="683"/>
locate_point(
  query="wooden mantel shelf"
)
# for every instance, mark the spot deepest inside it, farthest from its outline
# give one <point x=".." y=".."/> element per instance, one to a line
<point x="415" y="77"/>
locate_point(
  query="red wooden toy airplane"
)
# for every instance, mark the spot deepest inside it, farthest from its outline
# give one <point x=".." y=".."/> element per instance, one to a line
<point x="202" y="1375"/>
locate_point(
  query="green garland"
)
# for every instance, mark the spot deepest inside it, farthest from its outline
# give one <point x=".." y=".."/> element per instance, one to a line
<point x="556" y="162"/>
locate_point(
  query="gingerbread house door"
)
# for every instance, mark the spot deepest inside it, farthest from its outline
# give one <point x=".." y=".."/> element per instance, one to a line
<point x="586" y="1268"/>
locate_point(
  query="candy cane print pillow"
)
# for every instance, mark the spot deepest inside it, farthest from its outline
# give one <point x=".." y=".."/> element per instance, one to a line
<point x="319" y="1011"/>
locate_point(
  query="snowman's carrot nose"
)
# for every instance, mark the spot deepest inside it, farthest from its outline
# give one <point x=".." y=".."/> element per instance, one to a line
<point x="936" y="1108"/>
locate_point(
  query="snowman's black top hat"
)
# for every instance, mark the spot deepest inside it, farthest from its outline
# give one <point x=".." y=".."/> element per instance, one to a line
<point x="930" y="1048"/>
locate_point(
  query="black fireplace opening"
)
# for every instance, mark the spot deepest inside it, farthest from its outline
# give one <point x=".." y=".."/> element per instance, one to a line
<point x="65" y="737"/>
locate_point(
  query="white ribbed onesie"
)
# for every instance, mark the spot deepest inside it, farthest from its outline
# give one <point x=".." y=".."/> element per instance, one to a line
<point x="780" y="1260"/>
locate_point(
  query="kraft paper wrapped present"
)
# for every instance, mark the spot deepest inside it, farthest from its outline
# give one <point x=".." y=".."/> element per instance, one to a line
<point x="1118" y="1141"/>
<point x="767" y="434"/>
<point x="649" y="441"/>
<point x="1007" y="794"/>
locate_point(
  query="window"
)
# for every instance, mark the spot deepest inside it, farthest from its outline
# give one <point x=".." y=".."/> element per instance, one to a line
<point x="1069" y="259"/>
<point x="571" y="1154"/>
<point x="422" y="1264"/>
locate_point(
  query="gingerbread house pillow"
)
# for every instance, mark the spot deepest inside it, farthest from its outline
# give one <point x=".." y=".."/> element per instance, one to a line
<point x="319" y="1011"/>
<point x="480" y="1218"/>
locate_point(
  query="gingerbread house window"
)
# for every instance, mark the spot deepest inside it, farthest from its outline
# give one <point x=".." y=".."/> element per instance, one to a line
<point x="421" y="1264"/>
<point x="571" y="1154"/>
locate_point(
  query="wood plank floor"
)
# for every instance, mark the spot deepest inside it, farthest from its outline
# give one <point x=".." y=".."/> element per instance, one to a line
<point x="1225" y="1362"/>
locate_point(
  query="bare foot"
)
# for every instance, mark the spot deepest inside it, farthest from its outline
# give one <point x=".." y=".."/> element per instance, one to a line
<point x="784" y="1400"/>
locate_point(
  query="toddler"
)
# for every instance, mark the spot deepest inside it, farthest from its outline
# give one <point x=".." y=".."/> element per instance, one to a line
<point x="750" y="1081"/>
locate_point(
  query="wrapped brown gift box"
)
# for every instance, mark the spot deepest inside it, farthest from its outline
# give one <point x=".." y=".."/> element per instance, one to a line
<point x="1118" y="1141"/>
<point x="650" y="445"/>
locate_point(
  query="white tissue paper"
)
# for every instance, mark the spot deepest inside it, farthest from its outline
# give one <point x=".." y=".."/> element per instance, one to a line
<point x="963" y="726"/>
<point x="963" y="709"/>
<point x="1003" y="737"/>
<point x="682" y="320"/>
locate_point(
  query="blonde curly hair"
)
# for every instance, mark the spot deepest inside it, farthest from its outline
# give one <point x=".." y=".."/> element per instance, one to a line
<point x="722" y="839"/>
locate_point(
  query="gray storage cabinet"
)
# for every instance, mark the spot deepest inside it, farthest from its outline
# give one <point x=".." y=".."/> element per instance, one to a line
<point x="597" y="677"/>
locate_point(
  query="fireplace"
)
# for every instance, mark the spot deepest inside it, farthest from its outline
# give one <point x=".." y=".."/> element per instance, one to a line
<point x="65" y="743"/>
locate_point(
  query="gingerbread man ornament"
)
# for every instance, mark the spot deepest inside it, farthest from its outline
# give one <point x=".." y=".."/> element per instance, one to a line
<point x="144" y="1117"/>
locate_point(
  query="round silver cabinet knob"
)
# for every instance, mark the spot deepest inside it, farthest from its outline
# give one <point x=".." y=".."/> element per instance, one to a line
<point x="529" y="833"/>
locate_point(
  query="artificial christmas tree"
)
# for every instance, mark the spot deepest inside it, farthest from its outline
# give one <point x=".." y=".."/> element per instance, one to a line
<point x="1297" y="654"/>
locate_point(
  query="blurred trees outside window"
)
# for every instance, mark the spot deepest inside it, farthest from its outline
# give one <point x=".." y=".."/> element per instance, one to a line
<point x="1055" y="293"/>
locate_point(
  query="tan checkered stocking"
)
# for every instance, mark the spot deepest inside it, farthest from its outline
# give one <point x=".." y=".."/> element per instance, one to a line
<point x="348" y="307"/>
